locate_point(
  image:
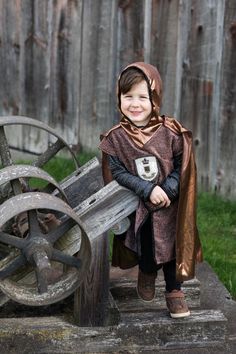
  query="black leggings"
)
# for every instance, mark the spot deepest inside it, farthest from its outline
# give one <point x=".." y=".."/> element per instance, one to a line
<point x="147" y="263"/>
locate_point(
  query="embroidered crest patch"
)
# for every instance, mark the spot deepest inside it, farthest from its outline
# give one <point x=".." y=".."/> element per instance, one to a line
<point x="147" y="167"/>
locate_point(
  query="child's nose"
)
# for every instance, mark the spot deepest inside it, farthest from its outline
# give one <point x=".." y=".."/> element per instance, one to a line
<point x="135" y="102"/>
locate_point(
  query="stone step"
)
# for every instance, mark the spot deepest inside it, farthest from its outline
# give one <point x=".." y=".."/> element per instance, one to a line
<point x="136" y="333"/>
<point x="123" y="290"/>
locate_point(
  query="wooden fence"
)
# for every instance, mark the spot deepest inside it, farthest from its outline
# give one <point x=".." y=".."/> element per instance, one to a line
<point x="60" y="59"/>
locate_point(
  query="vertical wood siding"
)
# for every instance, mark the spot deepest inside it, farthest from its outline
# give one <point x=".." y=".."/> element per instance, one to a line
<point x="199" y="104"/>
<point x="227" y="113"/>
<point x="60" y="60"/>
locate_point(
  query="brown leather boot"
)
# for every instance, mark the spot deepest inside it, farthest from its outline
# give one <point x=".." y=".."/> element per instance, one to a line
<point x="146" y="286"/>
<point x="176" y="304"/>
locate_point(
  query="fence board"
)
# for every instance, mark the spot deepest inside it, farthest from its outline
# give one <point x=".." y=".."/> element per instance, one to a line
<point x="199" y="101"/>
<point x="131" y="32"/>
<point x="10" y="53"/>
<point x="9" y="34"/>
<point x="164" y="41"/>
<point x="227" y="161"/>
<point x="65" y="58"/>
<point x="34" y="62"/>
<point x="97" y="67"/>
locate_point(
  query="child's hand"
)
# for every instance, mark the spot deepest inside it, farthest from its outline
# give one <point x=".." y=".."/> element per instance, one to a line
<point x="159" y="197"/>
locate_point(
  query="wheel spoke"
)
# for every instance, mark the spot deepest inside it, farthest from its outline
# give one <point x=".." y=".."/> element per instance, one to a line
<point x="34" y="228"/>
<point x="11" y="240"/>
<point x="41" y="276"/>
<point x="43" y="267"/>
<point x="66" y="259"/>
<point x="55" y="234"/>
<point x="12" y="266"/>
<point x="49" y="153"/>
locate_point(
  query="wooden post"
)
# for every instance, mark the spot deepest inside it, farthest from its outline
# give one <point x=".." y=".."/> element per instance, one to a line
<point x="91" y="299"/>
<point x="99" y="208"/>
<point x="111" y="204"/>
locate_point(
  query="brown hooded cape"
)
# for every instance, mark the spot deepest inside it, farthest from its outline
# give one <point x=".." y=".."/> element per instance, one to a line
<point x="188" y="247"/>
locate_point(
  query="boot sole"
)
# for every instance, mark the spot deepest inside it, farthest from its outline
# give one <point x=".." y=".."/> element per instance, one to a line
<point x="180" y="315"/>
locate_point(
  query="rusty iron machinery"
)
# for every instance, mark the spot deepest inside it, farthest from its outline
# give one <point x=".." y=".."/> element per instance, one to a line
<point x="46" y="251"/>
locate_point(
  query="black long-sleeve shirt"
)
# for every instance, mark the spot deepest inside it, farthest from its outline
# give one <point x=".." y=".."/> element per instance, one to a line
<point x="144" y="188"/>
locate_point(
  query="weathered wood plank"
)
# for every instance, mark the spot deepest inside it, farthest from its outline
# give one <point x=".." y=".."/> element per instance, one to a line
<point x="91" y="299"/>
<point x="98" y="68"/>
<point x="164" y="41"/>
<point x="10" y="54"/>
<point x="131" y="38"/>
<point x="135" y="333"/>
<point x="65" y="36"/>
<point x="84" y="182"/>
<point x="106" y="207"/>
<point x="34" y="72"/>
<point x="10" y="61"/>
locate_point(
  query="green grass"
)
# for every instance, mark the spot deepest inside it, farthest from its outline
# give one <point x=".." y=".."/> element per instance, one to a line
<point x="216" y="223"/>
<point x="59" y="168"/>
<point x="217" y="227"/>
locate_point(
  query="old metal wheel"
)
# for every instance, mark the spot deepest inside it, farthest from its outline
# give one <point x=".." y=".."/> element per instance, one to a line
<point x="26" y="121"/>
<point x="11" y="174"/>
<point x="19" y="185"/>
<point x="32" y="273"/>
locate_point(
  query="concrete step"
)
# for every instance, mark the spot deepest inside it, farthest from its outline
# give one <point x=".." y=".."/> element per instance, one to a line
<point x="123" y="290"/>
<point x="136" y="333"/>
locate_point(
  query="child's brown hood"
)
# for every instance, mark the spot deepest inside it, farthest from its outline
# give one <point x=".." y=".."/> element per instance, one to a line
<point x="154" y="80"/>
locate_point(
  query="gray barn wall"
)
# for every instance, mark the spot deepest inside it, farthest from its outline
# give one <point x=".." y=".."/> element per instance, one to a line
<point x="60" y="60"/>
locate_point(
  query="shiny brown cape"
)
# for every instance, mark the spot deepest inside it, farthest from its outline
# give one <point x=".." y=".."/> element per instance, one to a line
<point x="188" y="246"/>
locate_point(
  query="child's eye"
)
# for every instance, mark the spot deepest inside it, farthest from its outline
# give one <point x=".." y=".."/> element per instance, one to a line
<point x="144" y="97"/>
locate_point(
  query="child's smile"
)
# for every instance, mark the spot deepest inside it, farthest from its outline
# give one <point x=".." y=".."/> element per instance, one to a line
<point x="136" y="104"/>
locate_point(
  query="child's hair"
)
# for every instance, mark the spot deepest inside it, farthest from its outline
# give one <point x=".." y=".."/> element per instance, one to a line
<point x="130" y="77"/>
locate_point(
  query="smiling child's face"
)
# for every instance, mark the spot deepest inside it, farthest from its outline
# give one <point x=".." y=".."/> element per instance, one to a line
<point x="136" y="104"/>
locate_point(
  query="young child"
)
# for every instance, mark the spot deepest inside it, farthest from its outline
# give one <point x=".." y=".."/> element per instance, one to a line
<point x="152" y="155"/>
